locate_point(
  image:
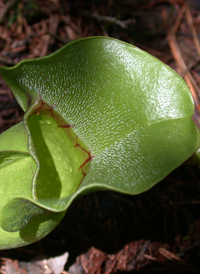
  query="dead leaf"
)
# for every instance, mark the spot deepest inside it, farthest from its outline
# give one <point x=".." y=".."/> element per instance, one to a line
<point x="45" y="266"/>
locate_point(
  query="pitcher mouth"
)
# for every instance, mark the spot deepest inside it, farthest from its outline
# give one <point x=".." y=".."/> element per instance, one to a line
<point x="63" y="159"/>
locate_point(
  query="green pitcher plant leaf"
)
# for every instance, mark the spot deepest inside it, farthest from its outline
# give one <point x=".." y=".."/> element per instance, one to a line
<point x="100" y="114"/>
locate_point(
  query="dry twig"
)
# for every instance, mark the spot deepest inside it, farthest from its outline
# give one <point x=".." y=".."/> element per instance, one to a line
<point x="192" y="29"/>
<point x="109" y="19"/>
<point x="6" y="8"/>
<point x="176" y="52"/>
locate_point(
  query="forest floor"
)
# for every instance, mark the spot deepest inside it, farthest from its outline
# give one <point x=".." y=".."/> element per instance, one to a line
<point x="107" y="232"/>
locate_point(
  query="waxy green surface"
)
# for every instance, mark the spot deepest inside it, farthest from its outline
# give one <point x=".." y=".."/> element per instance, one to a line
<point x="99" y="114"/>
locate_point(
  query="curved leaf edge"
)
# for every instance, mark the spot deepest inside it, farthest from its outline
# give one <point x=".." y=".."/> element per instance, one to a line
<point x="26" y="97"/>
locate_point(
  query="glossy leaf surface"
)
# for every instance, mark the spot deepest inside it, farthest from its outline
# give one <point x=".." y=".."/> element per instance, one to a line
<point x="100" y="114"/>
